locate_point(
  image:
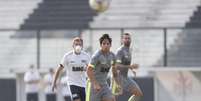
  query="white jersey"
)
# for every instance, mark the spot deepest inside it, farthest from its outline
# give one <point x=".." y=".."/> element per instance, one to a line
<point x="65" y="89"/>
<point x="75" y="66"/>
<point x="48" y="80"/>
<point x="31" y="75"/>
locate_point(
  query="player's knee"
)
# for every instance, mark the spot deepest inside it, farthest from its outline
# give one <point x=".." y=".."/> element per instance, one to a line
<point x="76" y="100"/>
<point x="139" y="93"/>
<point x="113" y="98"/>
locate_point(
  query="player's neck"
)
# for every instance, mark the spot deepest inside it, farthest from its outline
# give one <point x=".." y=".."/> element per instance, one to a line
<point x="76" y="53"/>
<point x="127" y="46"/>
<point x="104" y="52"/>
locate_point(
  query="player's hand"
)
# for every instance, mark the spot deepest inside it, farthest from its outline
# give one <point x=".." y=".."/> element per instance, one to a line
<point x="134" y="73"/>
<point x="134" y="66"/>
<point x="97" y="87"/>
<point x="53" y="87"/>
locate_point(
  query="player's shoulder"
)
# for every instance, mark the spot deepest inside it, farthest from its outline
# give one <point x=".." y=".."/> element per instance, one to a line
<point x="112" y="53"/>
<point x="84" y="53"/>
<point x="97" y="53"/>
<point x="69" y="53"/>
<point x="120" y="48"/>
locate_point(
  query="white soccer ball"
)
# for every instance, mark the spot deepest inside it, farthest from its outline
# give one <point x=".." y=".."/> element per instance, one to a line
<point x="99" y="5"/>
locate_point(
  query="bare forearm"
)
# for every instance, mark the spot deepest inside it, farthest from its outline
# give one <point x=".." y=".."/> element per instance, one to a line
<point x="132" y="66"/>
<point x="56" y="75"/>
<point x="90" y="74"/>
<point x="115" y="74"/>
<point x="119" y="66"/>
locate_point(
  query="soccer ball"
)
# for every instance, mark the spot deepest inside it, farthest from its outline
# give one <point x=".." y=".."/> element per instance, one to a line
<point x="99" y="5"/>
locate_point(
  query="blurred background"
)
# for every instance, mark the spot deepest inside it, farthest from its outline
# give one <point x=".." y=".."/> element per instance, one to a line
<point x="166" y="37"/>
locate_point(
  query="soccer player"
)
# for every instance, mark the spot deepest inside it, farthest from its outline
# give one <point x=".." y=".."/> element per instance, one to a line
<point x="48" y="80"/>
<point x="97" y="71"/>
<point x="75" y="62"/>
<point x="32" y="79"/>
<point x="123" y="63"/>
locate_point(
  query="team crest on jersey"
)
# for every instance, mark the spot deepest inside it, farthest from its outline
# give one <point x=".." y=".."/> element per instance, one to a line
<point x="72" y="61"/>
<point x="126" y="54"/>
<point x="104" y="69"/>
<point x="104" y="60"/>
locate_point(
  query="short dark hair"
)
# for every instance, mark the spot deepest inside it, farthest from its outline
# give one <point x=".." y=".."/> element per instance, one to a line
<point x="105" y="36"/>
<point x="126" y="34"/>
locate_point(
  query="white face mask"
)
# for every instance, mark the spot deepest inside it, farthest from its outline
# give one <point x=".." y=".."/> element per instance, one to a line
<point x="78" y="49"/>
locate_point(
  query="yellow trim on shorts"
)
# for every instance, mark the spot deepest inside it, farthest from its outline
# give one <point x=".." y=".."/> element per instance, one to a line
<point x="114" y="87"/>
<point x="88" y="91"/>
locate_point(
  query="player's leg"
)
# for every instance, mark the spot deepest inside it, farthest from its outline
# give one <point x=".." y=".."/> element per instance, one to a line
<point x="91" y="94"/>
<point x="106" y="94"/>
<point x="117" y="89"/>
<point x="28" y="97"/>
<point x="32" y="96"/>
<point x="109" y="99"/>
<point x="82" y="94"/>
<point x="135" y="90"/>
<point x="50" y="97"/>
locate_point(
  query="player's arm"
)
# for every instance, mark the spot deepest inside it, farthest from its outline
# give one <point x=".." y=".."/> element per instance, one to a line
<point x="116" y="79"/>
<point x="91" y="76"/>
<point x="119" y="58"/>
<point x="115" y="74"/>
<point x="56" y="75"/>
<point x="90" y="73"/>
<point x="132" y="66"/>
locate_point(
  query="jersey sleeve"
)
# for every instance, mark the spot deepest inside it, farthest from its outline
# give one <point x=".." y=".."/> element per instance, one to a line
<point x="119" y="56"/>
<point x="64" y="60"/>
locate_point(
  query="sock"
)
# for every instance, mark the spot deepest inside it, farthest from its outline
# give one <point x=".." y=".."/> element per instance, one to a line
<point x="134" y="98"/>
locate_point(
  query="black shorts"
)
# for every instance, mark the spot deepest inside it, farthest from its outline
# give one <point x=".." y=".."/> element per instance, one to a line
<point x="67" y="98"/>
<point x="51" y="97"/>
<point x="78" y="92"/>
<point x="32" y="97"/>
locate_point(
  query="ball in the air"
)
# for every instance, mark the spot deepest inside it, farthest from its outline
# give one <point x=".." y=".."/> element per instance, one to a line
<point x="99" y="5"/>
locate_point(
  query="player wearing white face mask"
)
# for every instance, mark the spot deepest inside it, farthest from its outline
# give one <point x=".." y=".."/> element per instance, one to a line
<point x="75" y="63"/>
<point x="78" y="49"/>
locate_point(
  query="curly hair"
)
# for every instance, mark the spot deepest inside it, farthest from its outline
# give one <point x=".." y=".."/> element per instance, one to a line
<point x="105" y="36"/>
